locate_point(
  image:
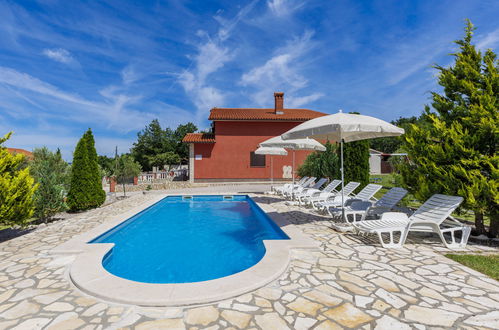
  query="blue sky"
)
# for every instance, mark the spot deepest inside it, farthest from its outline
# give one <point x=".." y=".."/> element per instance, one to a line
<point x="116" y="65"/>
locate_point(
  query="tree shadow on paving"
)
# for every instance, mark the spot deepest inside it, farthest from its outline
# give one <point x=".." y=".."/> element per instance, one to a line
<point x="10" y="233"/>
<point x="300" y="217"/>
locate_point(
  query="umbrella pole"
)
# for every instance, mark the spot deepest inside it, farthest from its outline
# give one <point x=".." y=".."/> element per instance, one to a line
<point x="293" y="174"/>
<point x="271" y="173"/>
<point x="342" y="184"/>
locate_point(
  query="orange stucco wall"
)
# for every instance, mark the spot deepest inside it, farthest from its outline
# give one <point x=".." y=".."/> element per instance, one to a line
<point x="229" y="157"/>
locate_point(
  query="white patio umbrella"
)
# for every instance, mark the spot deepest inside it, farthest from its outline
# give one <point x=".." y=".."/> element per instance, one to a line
<point x="343" y="127"/>
<point x="271" y="152"/>
<point x="294" y="144"/>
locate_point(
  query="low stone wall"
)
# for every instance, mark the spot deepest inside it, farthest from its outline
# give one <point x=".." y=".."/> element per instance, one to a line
<point x="155" y="186"/>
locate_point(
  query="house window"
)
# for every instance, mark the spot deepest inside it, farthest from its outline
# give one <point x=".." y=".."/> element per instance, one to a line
<point x="257" y="160"/>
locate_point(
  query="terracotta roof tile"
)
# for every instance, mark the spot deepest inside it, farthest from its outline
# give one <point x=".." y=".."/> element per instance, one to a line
<point x="263" y="114"/>
<point x="27" y="153"/>
<point x="199" y="138"/>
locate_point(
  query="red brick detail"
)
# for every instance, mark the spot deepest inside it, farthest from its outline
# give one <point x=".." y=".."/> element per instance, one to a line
<point x="278" y="101"/>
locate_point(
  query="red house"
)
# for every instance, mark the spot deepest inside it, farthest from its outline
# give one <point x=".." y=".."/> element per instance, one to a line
<point x="228" y="153"/>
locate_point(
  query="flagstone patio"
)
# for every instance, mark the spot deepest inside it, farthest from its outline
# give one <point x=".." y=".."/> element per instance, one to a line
<point x="350" y="283"/>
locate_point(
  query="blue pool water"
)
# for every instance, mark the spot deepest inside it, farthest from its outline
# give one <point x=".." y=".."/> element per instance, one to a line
<point x="179" y="240"/>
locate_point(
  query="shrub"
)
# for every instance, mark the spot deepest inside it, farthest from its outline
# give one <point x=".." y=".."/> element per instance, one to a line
<point x="50" y="172"/>
<point x="322" y="164"/>
<point x="16" y="188"/>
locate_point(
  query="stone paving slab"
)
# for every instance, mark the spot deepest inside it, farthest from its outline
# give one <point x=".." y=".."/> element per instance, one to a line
<point x="350" y="283"/>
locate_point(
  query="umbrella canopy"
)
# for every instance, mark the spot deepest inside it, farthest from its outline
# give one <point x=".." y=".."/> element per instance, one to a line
<point x="271" y="151"/>
<point x="295" y="144"/>
<point x="343" y="126"/>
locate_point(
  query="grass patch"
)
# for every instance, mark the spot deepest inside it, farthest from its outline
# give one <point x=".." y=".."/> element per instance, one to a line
<point x="486" y="264"/>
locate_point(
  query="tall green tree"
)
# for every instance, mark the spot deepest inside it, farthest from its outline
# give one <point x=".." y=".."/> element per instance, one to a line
<point x="182" y="149"/>
<point x="50" y="172"/>
<point x="17" y="188"/>
<point x="154" y="140"/>
<point x="106" y="164"/>
<point x="456" y="152"/>
<point x="98" y="195"/>
<point x="151" y="141"/>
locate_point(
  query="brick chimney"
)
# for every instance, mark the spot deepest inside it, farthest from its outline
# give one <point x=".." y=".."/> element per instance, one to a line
<point x="279" y="103"/>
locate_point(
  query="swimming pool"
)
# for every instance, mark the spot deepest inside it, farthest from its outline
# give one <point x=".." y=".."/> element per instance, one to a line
<point x="184" y="239"/>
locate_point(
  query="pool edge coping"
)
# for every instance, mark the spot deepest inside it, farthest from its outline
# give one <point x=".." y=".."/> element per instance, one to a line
<point x="87" y="273"/>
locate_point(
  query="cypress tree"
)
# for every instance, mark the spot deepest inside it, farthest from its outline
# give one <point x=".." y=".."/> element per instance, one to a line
<point x="356" y="162"/>
<point x="98" y="195"/>
<point x="79" y="195"/>
<point x="455" y="153"/>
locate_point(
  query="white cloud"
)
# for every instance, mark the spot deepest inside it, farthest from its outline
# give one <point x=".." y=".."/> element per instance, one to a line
<point x="282" y="72"/>
<point x="284" y="7"/>
<point x="491" y="40"/>
<point x="112" y="112"/>
<point x="299" y="101"/>
<point x="211" y="56"/>
<point x="413" y="57"/>
<point x="59" y="55"/>
<point x="226" y="26"/>
<point x="129" y="75"/>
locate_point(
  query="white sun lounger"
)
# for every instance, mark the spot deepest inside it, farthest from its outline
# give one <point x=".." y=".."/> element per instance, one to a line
<point x="369" y="209"/>
<point x="347" y="191"/>
<point x="366" y="194"/>
<point x="289" y="192"/>
<point x="314" y="193"/>
<point x="279" y="189"/>
<point x="429" y="217"/>
<point x="314" y="187"/>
